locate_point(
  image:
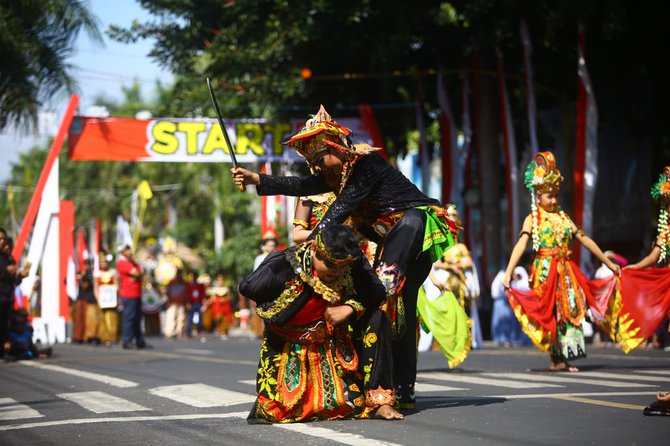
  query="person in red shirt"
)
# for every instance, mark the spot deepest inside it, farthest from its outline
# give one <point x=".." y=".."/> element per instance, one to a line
<point x="130" y="291"/>
<point x="196" y="294"/>
<point x="175" y="316"/>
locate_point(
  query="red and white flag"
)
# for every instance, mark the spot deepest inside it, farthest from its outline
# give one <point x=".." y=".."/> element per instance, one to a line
<point x="586" y="151"/>
<point x="370" y="124"/>
<point x="424" y="157"/>
<point x="271" y="209"/>
<point x="452" y="169"/>
<point x="82" y="249"/>
<point x="466" y="128"/>
<point x="509" y="146"/>
<point x="531" y="107"/>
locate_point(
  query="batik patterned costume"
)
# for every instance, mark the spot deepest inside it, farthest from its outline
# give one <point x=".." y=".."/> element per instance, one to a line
<point x="411" y="230"/>
<point x="552" y="312"/>
<point x="305" y="364"/>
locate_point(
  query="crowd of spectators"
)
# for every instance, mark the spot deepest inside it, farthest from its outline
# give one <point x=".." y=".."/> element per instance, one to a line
<point x="122" y="305"/>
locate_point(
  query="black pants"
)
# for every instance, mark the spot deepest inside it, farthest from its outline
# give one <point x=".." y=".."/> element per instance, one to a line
<point x="6" y="312"/>
<point x="402" y="252"/>
<point x="131" y="328"/>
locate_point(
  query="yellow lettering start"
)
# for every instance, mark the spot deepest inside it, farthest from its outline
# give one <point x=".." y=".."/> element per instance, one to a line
<point x="249" y="137"/>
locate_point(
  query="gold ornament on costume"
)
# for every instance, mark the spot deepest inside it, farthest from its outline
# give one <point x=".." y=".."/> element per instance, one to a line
<point x="541" y="176"/>
<point x="661" y="192"/>
<point x="322" y="133"/>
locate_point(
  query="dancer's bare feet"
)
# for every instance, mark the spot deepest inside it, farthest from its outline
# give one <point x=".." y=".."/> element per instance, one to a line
<point x="387" y="412"/>
<point x="562" y="366"/>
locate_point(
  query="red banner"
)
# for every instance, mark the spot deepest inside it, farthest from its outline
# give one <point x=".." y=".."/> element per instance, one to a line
<point x="187" y="140"/>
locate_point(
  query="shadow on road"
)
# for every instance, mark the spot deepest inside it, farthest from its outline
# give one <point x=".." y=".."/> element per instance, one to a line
<point x="441" y="402"/>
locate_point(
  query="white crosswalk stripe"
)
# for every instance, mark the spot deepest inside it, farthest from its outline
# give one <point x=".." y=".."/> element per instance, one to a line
<point x="422" y="387"/>
<point x="105" y="379"/>
<point x="10" y="409"/>
<point x="329" y="434"/>
<point x="471" y="379"/>
<point x="574" y="378"/>
<point x="202" y="395"/>
<point x="626" y="376"/>
<point x="101" y="402"/>
<point x="655" y="372"/>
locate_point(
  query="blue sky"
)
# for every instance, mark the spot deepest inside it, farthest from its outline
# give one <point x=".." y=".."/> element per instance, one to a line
<point x="99" y="70"/>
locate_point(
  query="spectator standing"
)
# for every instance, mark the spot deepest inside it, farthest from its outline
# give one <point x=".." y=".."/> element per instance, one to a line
<point x="7" y="279"/>
<point x="10" y="276"/>
<point x="106" y="292"/>
<point x="505" y="328"/>
<point x="220" y="307"/>
<point x="84" y="288"/>
<point x="196" y="295"/>
<point x="92" y="310"/>
<point x="175" y="317"/>
<point x="247" y="307"/>
<point x="130" y="291"/>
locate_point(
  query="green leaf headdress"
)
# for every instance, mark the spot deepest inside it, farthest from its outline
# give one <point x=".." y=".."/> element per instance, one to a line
<point x="662" y="187"/>
<point x="661" y="192"/>
<point x="541" y="176"/>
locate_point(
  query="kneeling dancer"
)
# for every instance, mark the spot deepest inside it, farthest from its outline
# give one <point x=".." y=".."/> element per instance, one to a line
<point x="307" y="295"/>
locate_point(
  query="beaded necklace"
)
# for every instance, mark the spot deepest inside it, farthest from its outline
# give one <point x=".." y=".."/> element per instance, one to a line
<point x="331" y="292"/>
<point x="663" y="234"/>
<point x="557" y="221"/>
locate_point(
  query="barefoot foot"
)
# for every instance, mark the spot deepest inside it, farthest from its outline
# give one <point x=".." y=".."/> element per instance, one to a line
<point x="562" y="366"/>
<point x="387" y="412"/>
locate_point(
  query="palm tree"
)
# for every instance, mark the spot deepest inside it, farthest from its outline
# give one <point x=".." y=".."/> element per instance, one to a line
<point x="36" y="39"/>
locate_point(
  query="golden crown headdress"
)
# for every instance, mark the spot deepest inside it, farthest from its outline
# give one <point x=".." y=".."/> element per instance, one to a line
<point x="542" y="175"/>
<point x="320" y="133"/>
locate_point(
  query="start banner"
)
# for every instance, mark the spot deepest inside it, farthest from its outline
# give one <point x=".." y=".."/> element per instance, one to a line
<point x="188" y="140"/>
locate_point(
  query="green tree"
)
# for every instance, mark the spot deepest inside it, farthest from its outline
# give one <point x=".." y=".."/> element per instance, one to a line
<point x="36" y="39"/>
<point x="103" y="190"/>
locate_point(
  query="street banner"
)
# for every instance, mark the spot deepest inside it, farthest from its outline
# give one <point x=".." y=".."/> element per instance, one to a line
<point x="452" y="167"/>
<point x="509" y="147"/>
<point x="188" y="140"/>
<point x="586" y="153"/>
<point x="531" y="106"/>
<point x="369" y="122"/>
<point x="424" y="156"/>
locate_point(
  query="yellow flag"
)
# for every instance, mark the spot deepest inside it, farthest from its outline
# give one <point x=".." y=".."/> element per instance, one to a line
<point x="144" y="190"/>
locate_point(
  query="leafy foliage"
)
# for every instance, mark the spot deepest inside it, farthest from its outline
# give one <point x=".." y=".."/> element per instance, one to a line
<point x="380" y="51"/>
<point x="196" y="192"/>
<point x="36" y="38"/>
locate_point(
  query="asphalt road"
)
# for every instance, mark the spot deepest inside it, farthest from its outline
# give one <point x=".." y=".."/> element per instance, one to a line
<point x="190" y="392"/>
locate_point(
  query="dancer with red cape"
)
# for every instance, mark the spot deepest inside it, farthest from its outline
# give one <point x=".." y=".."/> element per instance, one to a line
<point x="552" y="311"/>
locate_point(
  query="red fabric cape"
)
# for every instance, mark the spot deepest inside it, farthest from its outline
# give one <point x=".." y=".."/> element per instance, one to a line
<point x="536" y="309"/>
<point x="645" y="298"/>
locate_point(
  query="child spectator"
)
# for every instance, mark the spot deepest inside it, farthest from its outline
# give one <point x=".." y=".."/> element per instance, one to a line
<point x="21" y="338"/>
<point x="220" y="307"/>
